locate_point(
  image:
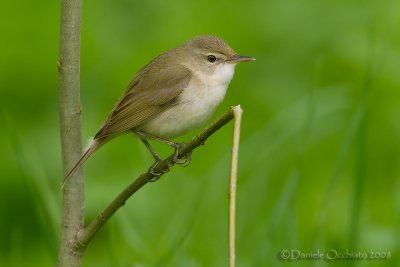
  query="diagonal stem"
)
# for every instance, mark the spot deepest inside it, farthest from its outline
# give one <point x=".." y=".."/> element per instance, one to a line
<point x="86" y="235"/>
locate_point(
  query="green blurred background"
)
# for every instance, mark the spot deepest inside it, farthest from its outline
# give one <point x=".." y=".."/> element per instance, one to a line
<point x="319" y="162"/>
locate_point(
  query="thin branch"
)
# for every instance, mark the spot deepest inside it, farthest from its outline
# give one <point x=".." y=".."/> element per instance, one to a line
<point x="237" y="112"/>
<point x="90" y="231"/>
<point x="70" y="128"/>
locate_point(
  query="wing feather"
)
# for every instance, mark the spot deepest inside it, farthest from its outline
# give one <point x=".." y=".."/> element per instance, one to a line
<point x="151" y="92"/>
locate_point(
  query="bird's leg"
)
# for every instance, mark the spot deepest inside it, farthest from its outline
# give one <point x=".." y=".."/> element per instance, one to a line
<point x="175" y="145"/>
<point x="152" y="151"/>
<point x="157" y="159"/>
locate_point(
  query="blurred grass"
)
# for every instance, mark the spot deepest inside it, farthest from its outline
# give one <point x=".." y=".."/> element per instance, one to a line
<point x="319" y="159"/>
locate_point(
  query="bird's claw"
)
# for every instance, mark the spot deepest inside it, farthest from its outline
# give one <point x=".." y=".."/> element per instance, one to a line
<point x="187" y="158"/>
<point x="156" y="175"/>
<point x="175" y="160"/>
<point x="177" y="146"/>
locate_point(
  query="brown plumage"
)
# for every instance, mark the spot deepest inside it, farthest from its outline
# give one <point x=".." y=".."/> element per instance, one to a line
<point x="137" y="105"/>
<point x="158" y="87"/>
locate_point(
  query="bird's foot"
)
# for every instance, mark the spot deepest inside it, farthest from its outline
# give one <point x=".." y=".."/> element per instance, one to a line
<point x="156" y="175"/>
<point x="186" y="159"/>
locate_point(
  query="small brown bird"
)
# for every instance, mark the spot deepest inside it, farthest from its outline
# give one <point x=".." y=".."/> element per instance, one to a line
<point x="174" y="93"/>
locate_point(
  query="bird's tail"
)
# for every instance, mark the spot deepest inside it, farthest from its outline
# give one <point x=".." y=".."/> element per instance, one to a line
<point x="92" y="147"/>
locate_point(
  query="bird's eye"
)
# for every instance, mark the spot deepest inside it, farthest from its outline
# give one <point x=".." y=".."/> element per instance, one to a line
<point x="211" y="58"/>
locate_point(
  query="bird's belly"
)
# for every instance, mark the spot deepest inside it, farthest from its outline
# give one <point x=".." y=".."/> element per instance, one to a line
<point x="192" y="111"/>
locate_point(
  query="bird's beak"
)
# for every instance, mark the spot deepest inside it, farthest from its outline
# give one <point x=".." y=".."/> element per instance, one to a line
<point x="237" y="58"/>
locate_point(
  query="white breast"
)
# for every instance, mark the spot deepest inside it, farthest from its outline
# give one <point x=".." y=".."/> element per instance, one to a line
<point x="197" y="102"/>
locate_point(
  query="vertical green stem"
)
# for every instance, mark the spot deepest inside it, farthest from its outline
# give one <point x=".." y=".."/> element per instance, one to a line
<point x="71" y="146"/>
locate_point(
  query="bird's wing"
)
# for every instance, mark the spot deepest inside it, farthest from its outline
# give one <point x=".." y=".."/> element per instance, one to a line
<point x="151" y="92"/>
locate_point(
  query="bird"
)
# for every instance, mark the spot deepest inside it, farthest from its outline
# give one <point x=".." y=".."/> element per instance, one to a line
<point x="174" y="93"/>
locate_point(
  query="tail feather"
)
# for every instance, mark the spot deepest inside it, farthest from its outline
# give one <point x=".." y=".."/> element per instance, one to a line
<point x="93" y="146"/>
